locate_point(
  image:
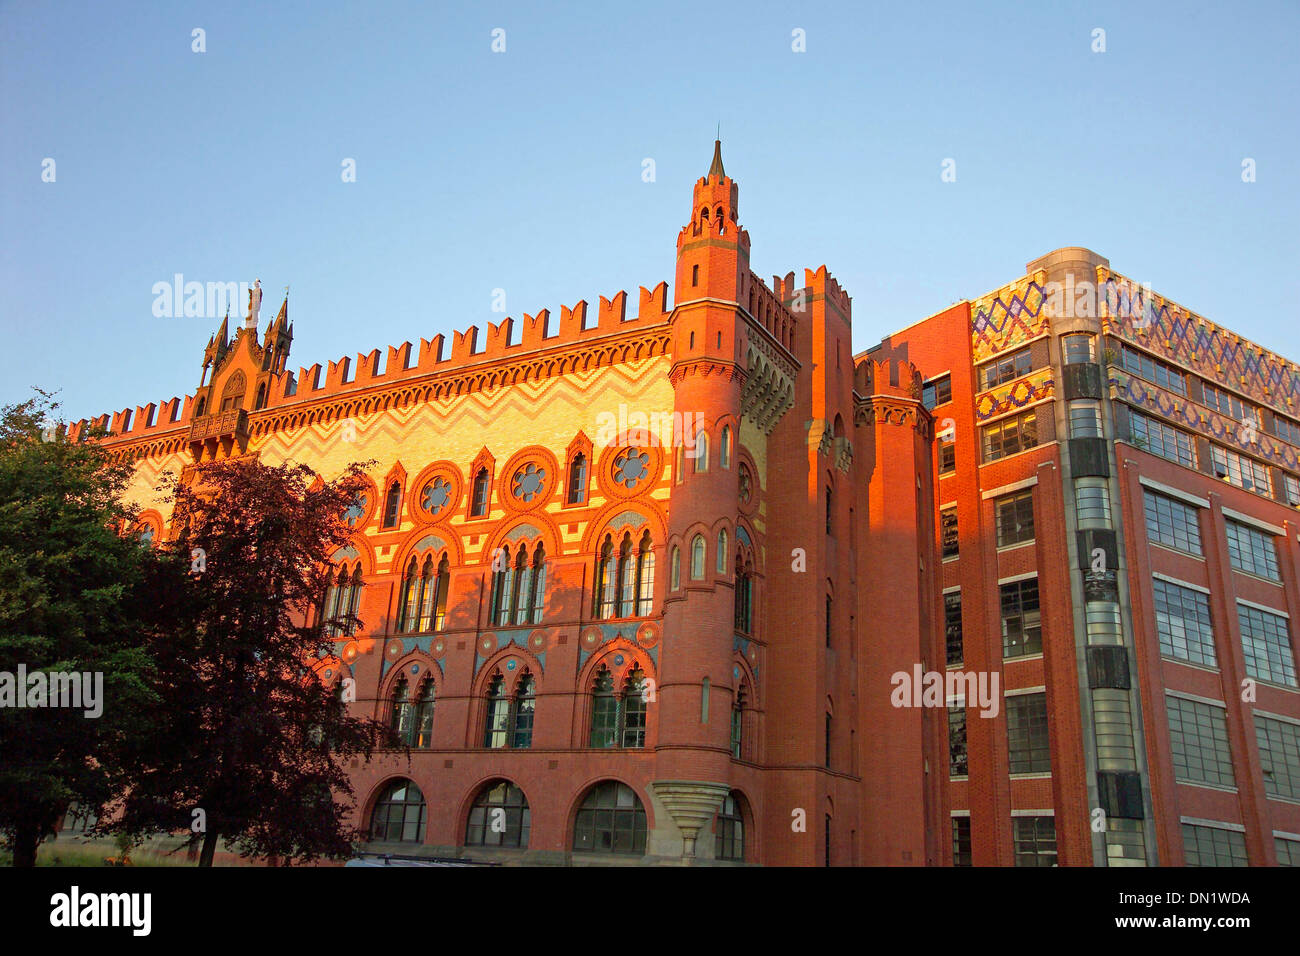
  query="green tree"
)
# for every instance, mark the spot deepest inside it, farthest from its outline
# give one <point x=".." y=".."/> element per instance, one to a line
<point x="70" y="601"/>
<point x="252" y="743"/>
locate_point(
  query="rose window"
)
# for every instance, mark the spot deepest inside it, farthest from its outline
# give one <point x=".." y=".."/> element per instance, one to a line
<point x="528" y="483"/>
<point x="630" y="467"/>
<point x="354" y="513"/>
<point x="437" y="494"/>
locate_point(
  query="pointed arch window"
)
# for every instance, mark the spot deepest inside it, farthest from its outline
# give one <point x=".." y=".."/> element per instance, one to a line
<point x="577" y="479"/>
<point x="524" y="709"/>
<point x="424" y="595"/>
<point x="503" y="587"/>
<point x="625" y="578"/>
<point x="422" y="730"/>
<point x="744" y="595"/>
<point x="392" y="505"/>
<point x="702" y="452"/>
<point x="479" y="498"/>
<point x="722" y="551"/>
<point x="260" y="401"/>
<point x="675" y="568"/>
<point x="401" y="713"/>
<point x="497" y="730"/>
<point x="724" y="447"/>
<point x="697" y="558"/>
<point x="738" y="721"/>
<point x="342" y="601"/>
<point x="618" y="720"/>
<point x="681" y="463"/>
<point x="645" y="574"/>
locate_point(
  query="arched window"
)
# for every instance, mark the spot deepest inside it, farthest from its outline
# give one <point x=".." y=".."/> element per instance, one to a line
<point x="618" y="721"/>
<point x="499" y="817"/>
<point x="645" y="574"/>
<point x="497" y="730"/>
<point x="606" y="580"/>
<point x="532" y="589"/>
<point x="697" y="558"/>
<point x="232" y="395"/>
<point x="675" y="568"/>
<point x="504" y="585"/>
<point x="744" y="595"/>
<point x="392" y="505"/>
<point x="702" y="452"/>
<point x="260" y="401"/>
<point x="201" y="406"/>
<point x="724" y="447"/>
<point x="479" y="498"/>
<point x="423" y="604"/>
<point x="353" y="601"/>
<point x="610" y="820"/>
<point x="578" y="479"/>
<point x="738" y="720"/>
<point x="626" y="577"/>
<point x="423" y="730"/>
<point x="525" y="705"/>
<point x="401" y="714"/>
<point x="722" y="551"/>
<point x="681" y="463"/>
<point x="399" y="814"/>
<point x="730" y="830"/>
<point x="829" y="509"/>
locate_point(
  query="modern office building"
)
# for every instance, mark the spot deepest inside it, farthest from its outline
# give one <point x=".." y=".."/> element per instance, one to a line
<point x="1117" y="493"/>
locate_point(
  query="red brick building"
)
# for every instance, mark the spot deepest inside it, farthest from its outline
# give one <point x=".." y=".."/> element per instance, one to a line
<point x="1117" y="493"/>
<point x="647" y="589"/>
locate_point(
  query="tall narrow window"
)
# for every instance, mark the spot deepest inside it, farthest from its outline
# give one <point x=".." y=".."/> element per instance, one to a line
<point x="830" y="510"/>
<point x="738" y="722"/>
<point x="401" y="713"/>
<point x="722" y="551"/>
<point x="503" y="588"/>
<point x="423" y="729"/>
<point x="681" y="463"/>
<point x="578" y="479"/>
<point x="675" y="568"/>
<point x="479" y="501"/>
<point x="428" y="590"/>
<point x="702" y="452"/>
<point x="537" y="595"/>
<point x="697" y="558"/>
<point x="392" y="505"/>
<point x="440" y="600"/>
<point x="724" y="447"/>
<point x="626" y="577"/>
<point x="410" y="598"/>
<point x="354" y="601"/>
<point x="633" y="710"/>
<point x="525" y="703"/>
<point x="604" y="711"/>
<point x="829" y="617"/>
<point x="645" y="577"/>
<point x="497" y="728"/>
<point x="744" y="595"/>
<point x="606" y="580"/>
<point x="523" y="587"/>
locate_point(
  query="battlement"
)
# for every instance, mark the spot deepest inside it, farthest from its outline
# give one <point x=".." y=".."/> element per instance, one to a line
<point x="466" y="352"/>
<point x="824" y="284"/>
<point x="896" y="377"/>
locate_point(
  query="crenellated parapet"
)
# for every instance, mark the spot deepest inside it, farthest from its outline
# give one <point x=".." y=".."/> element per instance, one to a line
<point x="889" y="392"/>
<point x="473" y="361"/>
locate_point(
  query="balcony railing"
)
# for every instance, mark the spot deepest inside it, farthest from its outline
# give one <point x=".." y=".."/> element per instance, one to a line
<point x="224" y="425"/>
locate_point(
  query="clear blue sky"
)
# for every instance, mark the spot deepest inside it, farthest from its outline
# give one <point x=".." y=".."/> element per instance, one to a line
<point x="522" y="170"/>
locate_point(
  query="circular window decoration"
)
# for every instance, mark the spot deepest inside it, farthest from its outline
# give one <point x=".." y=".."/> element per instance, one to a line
<point x="436" y="497"/>
<point x="647" y="635"/>
<point x="528" y="482"/>
<point x="487" y="644"/>
<point x="357" y="510"/>
<point x="537" y="640"/>
<point x="394" y="650"/>
<point x="631" y="466"/>
<point x="350" y="652"/>
<point x="439" y="646"/>
<point x="591" y="637"/>
<point x="746" y="484"/>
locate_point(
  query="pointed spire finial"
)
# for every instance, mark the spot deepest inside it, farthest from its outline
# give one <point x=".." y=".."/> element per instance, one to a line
<point x="716" y="172"/>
